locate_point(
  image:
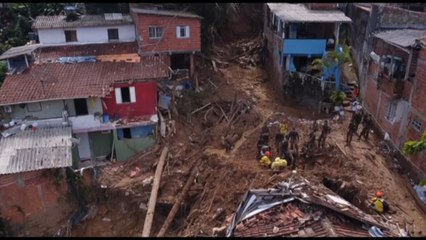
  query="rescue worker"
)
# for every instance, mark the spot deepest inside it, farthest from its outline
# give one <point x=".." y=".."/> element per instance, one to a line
<point x="263" y="141"/>
<point x="264" y="149"/>
<point x="283" y="128"/>
<point x="367" y="122"/>
<point x="311" y="142"/>
<point x="324" y="133"/>
<point x="279" y="164"/>
<point x="279" y="137"/>
<point x="283" y="146"/>
<point x="293" y="136"/>
<point x="357" y="117"/>
<point x="266" y="159"/>
<point x="379" y="204"/>
<point x="315" y="126"/>
<point x="351" y="131"/>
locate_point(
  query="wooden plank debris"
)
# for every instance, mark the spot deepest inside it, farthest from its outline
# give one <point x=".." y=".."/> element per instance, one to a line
<point x="154" y="192"/>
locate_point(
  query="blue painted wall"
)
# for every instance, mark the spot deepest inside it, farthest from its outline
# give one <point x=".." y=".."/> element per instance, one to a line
<point x="137" y="132"/>
<point x="304" y="47"/>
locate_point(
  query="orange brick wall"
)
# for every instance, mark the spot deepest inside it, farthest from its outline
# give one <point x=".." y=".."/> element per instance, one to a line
<point x="32" y="192"/>
<point x="169" y="42"/>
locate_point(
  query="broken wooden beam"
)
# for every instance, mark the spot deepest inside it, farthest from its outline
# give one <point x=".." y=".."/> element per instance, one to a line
<point x="153" y="198"/>
<point x="201" y="108"/>
<point x="214" y="65"/>
<point x="177" y="204"/>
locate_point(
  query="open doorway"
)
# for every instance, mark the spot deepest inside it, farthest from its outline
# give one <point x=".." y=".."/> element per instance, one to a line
<point x="80" y="107"/>
<point x="180" y="61"/>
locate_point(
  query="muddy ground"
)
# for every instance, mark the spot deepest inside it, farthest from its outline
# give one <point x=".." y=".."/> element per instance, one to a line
<point x="356" y="171"/>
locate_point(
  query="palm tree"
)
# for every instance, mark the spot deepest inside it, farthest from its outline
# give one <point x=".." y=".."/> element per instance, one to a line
<point x="336" y="58"/>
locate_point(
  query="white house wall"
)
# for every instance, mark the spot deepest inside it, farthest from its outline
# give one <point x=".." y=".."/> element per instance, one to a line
<point x="126" y="33"/>
<point x="51" y="36"/>
<point x="53" y="109"/>
<point x="49" y="109"/>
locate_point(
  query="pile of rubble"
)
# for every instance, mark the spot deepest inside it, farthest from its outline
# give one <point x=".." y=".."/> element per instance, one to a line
<point x="245" y="53"/>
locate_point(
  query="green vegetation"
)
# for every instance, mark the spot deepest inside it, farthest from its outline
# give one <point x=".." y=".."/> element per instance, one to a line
<point x="414" y="147"/>
<point x="332" y="57"/>
<point x="337" y="97"/>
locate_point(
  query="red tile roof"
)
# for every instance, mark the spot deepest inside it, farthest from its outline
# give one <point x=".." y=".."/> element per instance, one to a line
<point x="295" y="219"/>
<point x="54" y="52"/>
<point x="78" y="80"/>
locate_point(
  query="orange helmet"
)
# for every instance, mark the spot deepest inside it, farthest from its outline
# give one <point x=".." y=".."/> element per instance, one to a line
<point x="379" y="194"/>
<point x="268" y="153"/>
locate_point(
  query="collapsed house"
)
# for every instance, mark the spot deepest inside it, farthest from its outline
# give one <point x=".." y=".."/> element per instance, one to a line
<point x="298" y="208"/>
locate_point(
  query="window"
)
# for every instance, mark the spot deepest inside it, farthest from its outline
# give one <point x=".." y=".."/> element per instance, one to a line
<point x="155" y="32"/>
<point x="113" y="34"/>
<point x="182" y="31"/>
<point x="70" y="36"/>
<point x="417" y="125"/>
<point x="127" y="133"/>
<point x="390" y="114"/>
<point x="34" y="107"/>
<point x="125" y="95"/>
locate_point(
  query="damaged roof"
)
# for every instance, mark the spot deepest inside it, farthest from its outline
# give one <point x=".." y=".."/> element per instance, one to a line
<point x="55" y="81"/>
<point x="300" y="13"/>
<point x="402" y="37"/>
<point x="31" y="150"/>
<point x="59" y="21"/>
<point x="17" y="51"/>
<point x="165" y="12"/>
<point x="295" y="208"/>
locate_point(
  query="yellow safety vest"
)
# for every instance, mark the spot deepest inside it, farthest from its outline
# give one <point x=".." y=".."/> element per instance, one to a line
<point x="265" y="161"/>
<point x="283" y="128"/>
<point x="279" y="163"/>
<point x="378" y="204"/>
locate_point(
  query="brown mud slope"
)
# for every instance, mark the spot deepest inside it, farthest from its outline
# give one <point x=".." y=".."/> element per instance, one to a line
<point x="222" y="179"/>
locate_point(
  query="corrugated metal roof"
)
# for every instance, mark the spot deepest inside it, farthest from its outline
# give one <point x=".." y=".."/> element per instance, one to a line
<point x="21" y="50"/>
<point x="165" y="13"/>
<point x="58" y="21"/>
<point x="401" y="37"/>
<point x="31" y="150"/>
<point x="300" y="13"/>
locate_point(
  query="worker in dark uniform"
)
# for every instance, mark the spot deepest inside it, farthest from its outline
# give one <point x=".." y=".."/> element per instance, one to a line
<point x="351" y="131"/>
<point x="357" y="117"/>
<point x="293" y="137"/>
<point x="367" y="122"/>
<point x="324" y="133"/>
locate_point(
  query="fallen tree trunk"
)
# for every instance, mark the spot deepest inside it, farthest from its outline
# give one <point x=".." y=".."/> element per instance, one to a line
<point x="177" y="204"/>
<point x="153" y="198"/>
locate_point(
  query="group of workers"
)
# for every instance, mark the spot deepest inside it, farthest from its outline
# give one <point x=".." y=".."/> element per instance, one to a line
<point x="285" y="143"/>
<point x="357" y="118"/>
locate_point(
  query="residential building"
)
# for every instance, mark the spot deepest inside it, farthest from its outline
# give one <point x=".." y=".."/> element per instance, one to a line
<point x="87" y="92"/>
<point x="384" y="37"/>
<point x="395" y="88"/>
<point x="63" y="29"/>
<point x="174" y="34"/>
<point x="31" y="162"/>
<point x="296" y="34"/>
